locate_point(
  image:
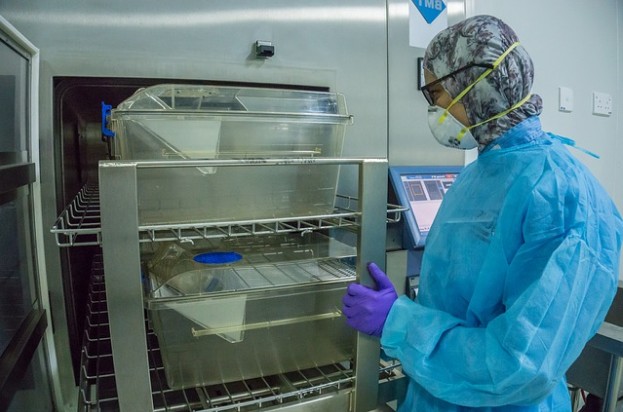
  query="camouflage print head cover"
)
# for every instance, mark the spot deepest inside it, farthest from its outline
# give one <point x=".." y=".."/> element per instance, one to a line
<point x="482" y="39"/>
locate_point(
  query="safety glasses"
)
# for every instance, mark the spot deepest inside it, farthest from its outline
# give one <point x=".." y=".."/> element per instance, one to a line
<point x="428" y="89"/>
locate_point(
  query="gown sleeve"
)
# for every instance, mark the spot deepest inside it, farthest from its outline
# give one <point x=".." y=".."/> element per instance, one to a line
<point x="557" y="289"/>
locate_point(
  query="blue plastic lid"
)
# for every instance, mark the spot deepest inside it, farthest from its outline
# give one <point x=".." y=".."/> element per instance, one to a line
<point x="217" y="258"/>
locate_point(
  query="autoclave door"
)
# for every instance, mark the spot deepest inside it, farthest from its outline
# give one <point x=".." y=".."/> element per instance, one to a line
<point x="23" y="322"/>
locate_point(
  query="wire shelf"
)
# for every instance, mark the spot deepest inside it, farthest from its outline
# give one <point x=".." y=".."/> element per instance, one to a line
<point x="98" y="386"/>
<point x="79" y="223"/>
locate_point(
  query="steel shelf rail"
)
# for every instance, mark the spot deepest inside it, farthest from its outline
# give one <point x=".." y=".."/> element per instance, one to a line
<point x="79" y="223"/>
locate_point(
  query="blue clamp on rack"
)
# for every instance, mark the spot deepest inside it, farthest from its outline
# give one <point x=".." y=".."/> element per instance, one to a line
<point x="106" y="132"/>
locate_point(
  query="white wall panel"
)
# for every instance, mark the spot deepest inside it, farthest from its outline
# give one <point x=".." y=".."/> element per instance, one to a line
<point x="574" y="44"/>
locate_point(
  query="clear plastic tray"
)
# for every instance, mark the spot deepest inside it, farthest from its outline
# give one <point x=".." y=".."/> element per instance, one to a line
<point x="274" y="309"/>
<point x="169" y="122"/>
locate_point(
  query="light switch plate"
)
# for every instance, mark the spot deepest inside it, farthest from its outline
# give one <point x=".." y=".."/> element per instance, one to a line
<point x="565" y="99"/>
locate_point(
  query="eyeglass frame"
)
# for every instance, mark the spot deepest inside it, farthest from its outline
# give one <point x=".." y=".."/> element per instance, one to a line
<point x="426" y="88"/>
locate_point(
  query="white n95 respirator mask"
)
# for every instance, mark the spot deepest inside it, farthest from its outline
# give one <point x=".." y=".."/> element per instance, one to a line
<point x="448" y="130"/>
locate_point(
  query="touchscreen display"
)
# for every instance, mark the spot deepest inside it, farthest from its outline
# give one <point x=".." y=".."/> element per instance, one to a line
<point x="425" y="193"/>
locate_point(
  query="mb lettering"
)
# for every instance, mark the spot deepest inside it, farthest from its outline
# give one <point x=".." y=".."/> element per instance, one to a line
<point x="431" y="4"/>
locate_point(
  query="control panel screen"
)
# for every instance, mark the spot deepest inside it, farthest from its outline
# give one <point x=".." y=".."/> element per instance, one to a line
<point x="421" y="189"/>
<point x="425" y="193"/>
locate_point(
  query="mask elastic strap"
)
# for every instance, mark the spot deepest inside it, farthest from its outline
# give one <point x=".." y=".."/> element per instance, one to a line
<point x="496" y="63"/>
<point x="459" y="137"/>
<point x="571" y="142"/>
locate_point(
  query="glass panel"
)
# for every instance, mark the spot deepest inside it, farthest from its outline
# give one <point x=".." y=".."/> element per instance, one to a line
<point x="13" y="101"/>
<point x="17" y="288"/>
<point x="33" y="393"/>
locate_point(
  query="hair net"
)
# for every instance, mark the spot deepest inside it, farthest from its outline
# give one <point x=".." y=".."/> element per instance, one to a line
<point x="482" y="39"/>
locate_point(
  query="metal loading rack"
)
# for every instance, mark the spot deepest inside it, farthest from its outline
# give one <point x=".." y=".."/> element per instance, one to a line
<point x="122" y="237"/>
<point x="98" y="385"/>
<point x="79" y="223"/>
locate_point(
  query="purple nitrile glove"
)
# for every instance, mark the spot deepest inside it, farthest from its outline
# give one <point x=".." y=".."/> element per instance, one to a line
<point x="366" y="309"/>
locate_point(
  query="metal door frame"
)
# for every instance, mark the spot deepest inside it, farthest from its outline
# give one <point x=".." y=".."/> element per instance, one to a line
<point x="16" y="177"/>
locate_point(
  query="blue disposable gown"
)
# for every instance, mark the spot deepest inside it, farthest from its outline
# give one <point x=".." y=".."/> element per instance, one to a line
<point x="520" y="268"/>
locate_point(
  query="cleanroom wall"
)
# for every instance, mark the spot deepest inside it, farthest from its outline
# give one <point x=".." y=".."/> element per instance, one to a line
<point x="574" y="44"/>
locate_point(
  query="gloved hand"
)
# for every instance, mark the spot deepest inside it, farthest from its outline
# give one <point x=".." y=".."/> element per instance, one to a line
<point x="366" y="309"/>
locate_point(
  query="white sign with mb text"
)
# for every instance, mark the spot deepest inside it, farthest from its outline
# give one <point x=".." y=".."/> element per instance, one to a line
<point x="426" y="19"/>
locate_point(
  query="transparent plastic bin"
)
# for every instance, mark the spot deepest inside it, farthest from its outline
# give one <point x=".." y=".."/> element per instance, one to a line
<point x="254" y="334"/>
<point x="169" y="122"/>
<point x="275" y="310"/>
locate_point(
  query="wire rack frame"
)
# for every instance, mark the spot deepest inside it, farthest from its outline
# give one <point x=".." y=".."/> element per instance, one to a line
<point x="79" y="223"/>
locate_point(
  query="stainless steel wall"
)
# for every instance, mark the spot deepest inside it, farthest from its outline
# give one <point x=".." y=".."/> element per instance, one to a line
<point x="340" y="45"/>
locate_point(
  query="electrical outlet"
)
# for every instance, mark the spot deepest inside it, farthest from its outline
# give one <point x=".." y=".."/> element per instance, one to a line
<point x="602" y="104"/>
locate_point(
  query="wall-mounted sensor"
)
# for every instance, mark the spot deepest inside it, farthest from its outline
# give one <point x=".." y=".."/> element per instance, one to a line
<point x="264" y="49"/>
